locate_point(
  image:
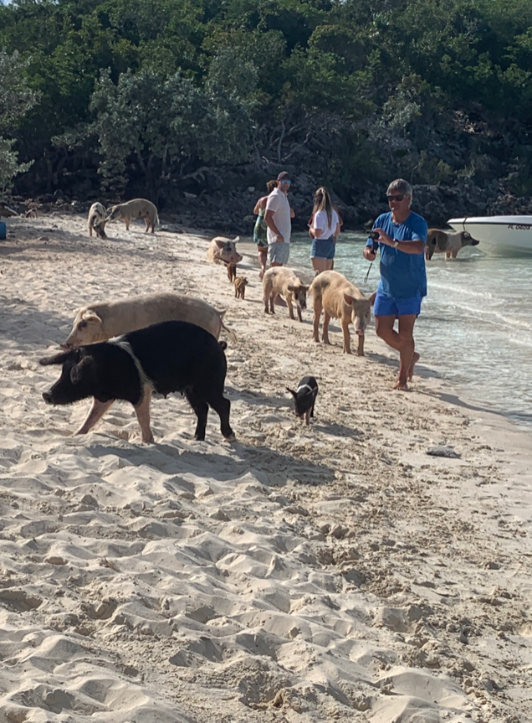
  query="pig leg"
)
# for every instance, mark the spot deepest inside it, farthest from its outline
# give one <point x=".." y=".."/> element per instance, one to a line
<point x="222" y="407"/>
<point x="360" y="349"/>
<point x="142" y="411"/>
<point x="347" y="338"/>
<point x="126" y="221"/>
<point x="299" y="317"/>
<point x="307" y="416"/>
<point x="325" y="334"/>
<point x="97" y="411"/>
<point x="201" y="408"/>
<point x="288" y="298"/>
<point x="317" y="314"/>
<point x="272" y="304"/>
<point x="147" y="222"/>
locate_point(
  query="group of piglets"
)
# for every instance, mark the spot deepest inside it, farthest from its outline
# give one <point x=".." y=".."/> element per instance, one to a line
<point x="223" y="251"/>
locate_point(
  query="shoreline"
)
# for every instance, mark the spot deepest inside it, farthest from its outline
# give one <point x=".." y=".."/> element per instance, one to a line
<point x="453" y="393"/>
<point x="300" y="574"/>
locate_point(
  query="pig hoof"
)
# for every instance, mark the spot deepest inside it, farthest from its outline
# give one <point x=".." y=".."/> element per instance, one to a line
<point x="231" y="437"/>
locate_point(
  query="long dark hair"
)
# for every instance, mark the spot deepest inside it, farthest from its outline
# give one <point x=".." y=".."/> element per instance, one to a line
<point x="322" y="202"/>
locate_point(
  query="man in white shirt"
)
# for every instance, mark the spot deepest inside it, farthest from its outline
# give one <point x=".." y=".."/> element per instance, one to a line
<point x="278" y="220"/>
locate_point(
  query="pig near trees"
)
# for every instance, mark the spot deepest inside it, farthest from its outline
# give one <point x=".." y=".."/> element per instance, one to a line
<point x="223" y="251"/>
<point x="99" y="322"/>
<point x="173" y="356"/>
<point x="137" y="208"/>
<point x="97" y="220"/>
<point x="283" y="281"/>
<point x="340" y="299"/>
<point x="447" y="242"/>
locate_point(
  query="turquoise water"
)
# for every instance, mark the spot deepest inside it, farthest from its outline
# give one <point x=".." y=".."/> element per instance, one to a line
<point x="475" y="328"/>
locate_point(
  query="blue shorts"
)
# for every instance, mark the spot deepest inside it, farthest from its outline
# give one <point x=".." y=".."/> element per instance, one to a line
<point x="391" y="306"/>
<point x="323" y="248"/>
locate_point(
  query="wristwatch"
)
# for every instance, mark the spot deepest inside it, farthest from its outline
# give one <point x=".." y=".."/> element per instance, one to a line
<point x="396" y="245"/>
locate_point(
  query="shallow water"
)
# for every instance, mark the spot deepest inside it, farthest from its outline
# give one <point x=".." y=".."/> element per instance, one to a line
<point x="475" y="328"/>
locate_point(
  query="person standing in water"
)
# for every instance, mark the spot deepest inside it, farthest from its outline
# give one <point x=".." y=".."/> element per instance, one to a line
<point x="401" y="237"/>
<point x="260" y="232"/>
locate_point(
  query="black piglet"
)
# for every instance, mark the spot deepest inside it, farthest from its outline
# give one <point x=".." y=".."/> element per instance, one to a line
<point x="305" y="397"/>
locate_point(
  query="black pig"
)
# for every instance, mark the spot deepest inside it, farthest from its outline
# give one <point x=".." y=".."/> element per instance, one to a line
<point x="173" y="356"/>
<point x="305" y="397"/>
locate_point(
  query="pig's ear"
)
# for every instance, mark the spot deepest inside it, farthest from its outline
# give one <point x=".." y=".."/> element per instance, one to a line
<point x="91" y="317"/>
<point x="294" y="394"/>
<point x="76" y="373"/>
<point x="348" y="299"/>
<point x="220" y="243"/>
<point x="236" y="238"/>
<point x="304" y="288"/>
<point x="373" y="297"/>
<point x="55" y="359"/>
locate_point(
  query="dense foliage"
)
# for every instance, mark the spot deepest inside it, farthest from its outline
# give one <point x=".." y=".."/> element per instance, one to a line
<point x="160" y="95"/>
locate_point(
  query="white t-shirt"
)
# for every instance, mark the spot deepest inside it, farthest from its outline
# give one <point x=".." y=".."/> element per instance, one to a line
<point x="278" y="203"/>
<point x="321" y="222"/>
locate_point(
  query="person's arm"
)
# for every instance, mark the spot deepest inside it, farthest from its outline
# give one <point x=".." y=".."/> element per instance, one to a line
<point x="406" y="247"/>
<point x="270" y="223"/>
<point x="261" y="203"/>
<point x="292" y="212"/>
<point x="336" y="232"/>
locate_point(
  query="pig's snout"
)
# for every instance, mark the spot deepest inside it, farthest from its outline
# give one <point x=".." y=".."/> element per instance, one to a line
<point x="47" y="397"/>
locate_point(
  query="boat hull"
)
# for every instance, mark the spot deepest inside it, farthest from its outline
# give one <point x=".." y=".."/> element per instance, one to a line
<point x="498" y="235"/>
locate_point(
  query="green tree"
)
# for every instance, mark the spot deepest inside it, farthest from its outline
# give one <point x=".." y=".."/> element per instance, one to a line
<point x="15" y="100"/>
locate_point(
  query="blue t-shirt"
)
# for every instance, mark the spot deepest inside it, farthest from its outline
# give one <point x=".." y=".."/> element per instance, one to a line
<point x="402" y="275"/>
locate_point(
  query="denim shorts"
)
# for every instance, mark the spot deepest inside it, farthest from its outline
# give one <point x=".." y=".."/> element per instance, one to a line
<point x="323" y="248"/>
<point x="392" y="306"/>
<point x="278" y="252"/>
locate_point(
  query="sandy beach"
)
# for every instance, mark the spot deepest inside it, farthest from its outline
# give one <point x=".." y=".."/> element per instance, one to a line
<point x="336" y="572"/>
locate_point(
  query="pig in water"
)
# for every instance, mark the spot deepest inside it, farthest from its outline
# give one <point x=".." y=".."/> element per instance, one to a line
<point x="173" y="356"/>
<point x="223" y="251"/>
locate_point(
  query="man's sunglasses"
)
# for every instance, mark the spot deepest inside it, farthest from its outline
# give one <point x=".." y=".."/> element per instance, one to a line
<point x="286" y="183"/>
<point x="398" y="197"/>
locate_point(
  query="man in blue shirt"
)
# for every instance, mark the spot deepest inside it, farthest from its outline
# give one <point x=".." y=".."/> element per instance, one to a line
<point x="402" y="235"/>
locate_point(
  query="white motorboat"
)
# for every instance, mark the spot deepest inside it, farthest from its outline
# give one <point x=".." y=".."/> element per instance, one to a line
<point x="498" y="235"/>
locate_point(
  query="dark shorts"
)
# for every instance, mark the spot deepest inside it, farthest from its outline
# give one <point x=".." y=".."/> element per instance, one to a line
<point x="392" y="306"/>
<point x="323" y="248"/>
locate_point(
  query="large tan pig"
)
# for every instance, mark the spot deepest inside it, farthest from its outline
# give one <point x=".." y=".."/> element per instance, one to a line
<point x="283" y="282"/>
<point x="340" y="299"/>
<point x="99" y="322"/>
<point x="137" y="208"/>
<point x="223" y="251"/>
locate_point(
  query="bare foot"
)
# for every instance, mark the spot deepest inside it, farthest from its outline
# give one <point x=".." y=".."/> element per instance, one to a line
<point x="413" y="363"/>
<point x="401" y="386"/>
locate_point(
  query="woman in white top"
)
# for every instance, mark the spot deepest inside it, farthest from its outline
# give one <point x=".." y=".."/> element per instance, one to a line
<point x="324" y="228"/>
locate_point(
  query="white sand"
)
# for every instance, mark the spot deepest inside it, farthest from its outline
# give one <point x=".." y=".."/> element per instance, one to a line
<point x="326" y="573"/>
